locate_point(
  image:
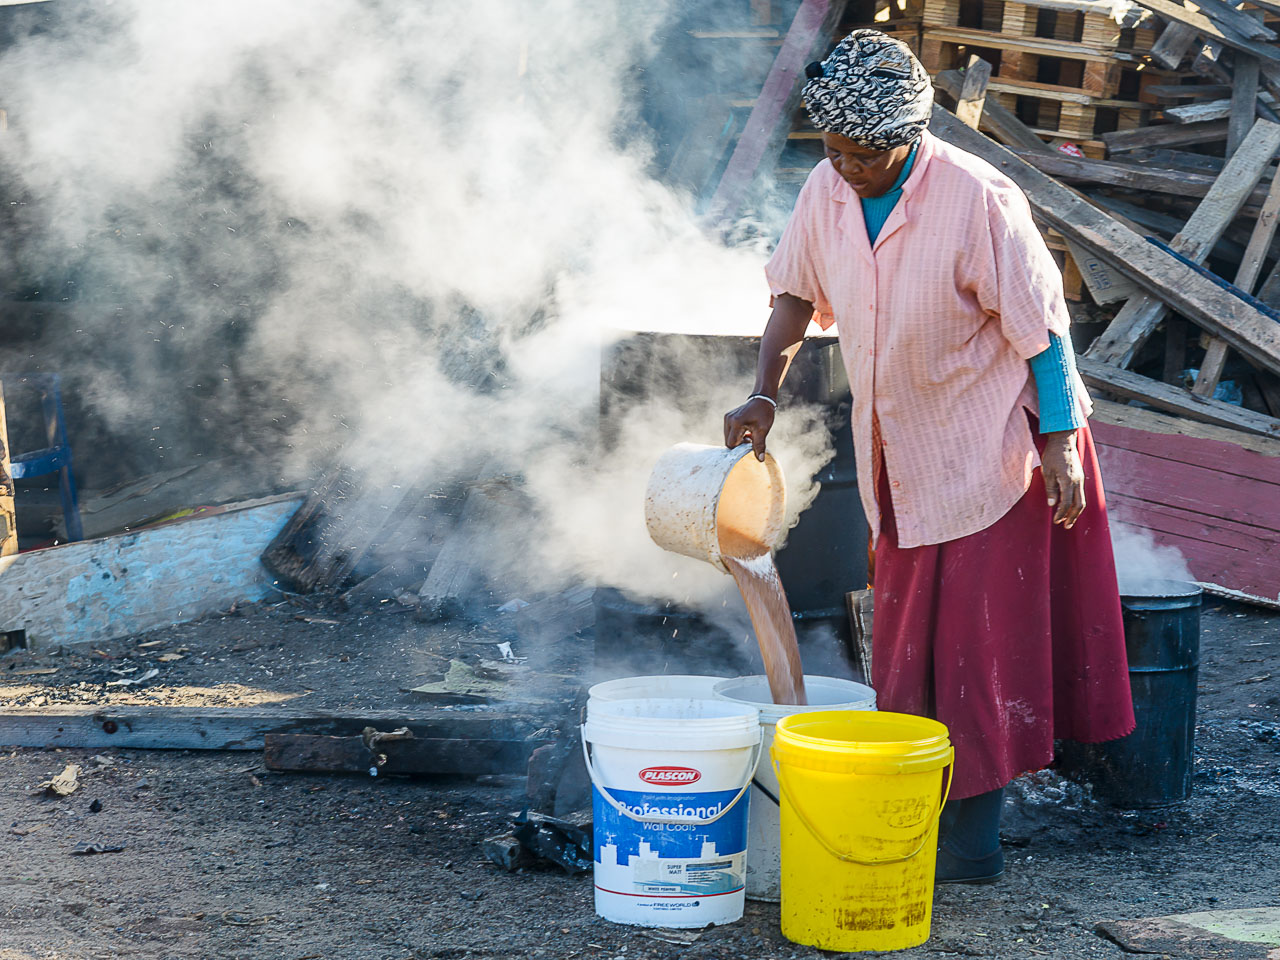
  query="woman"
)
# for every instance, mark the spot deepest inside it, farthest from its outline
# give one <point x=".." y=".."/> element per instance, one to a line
<point x="997" y="608"/>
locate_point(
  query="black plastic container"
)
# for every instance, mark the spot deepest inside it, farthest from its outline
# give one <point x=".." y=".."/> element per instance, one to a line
<point x="825" y="555"/>
<point x="1152" y="766"/>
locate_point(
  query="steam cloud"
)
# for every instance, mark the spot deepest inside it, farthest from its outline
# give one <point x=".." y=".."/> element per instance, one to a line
<point x="1144" y="566"/>
<point x="403" y="230"/>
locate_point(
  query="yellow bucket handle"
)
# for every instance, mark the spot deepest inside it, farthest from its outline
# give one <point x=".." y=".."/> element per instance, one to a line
<point x="849" y="857"/>
<point x="692" y="821"/>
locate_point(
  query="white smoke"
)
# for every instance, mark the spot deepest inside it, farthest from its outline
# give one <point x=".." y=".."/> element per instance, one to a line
<point x="1144" y="566"/>
<point x="400" y="230"/>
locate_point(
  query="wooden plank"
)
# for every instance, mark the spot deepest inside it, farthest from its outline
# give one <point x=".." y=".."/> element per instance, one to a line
<point x="973" y="93"/>
<point x="1264" y="229"/>
<point x="1195" y="296"/>
<point x="1244" y="101"/>
<point x="1039" y="46"/>
<point x="239" y="728"/>
<point x="1173" y="45"/>
<point x="1168" y="135"/>
<point x="1209" y="496"/>
<point x="1230" y="18"/>
<point x="1162" y="396"/>
<point x="8" y="515"/>
<point x="310" y="753"/>
<point x="1140" y="316"/>
<point x="1052" y="91"/>
<point x="1209" y="110"/>
<point x="770" y="119"/>
<point x="1153" y="421"/>
<point x="1179" y="183"/>
<point x="115" y="586"/>
<point x="1188" y="91"/>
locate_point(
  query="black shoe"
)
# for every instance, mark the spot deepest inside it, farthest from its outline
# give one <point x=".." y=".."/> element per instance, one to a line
<point x="969" y="840"/>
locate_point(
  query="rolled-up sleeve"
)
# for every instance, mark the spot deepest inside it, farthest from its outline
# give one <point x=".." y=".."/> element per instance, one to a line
<point x="1023" y="285"/>
<point x="794" y="266"/>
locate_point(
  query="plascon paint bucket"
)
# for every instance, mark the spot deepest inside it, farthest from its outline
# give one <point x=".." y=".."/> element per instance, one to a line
<point x="764" y="858"/>
<point x="705" y="501"/>
<point x="658" y="687"/>
<point x="669" y="797"/>
<point x="861" y="793"/>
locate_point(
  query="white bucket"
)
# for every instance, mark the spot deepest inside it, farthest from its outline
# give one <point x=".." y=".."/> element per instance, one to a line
<point x="703" y="501"/>
<point x="669" y="797"/>
<point x="660" y="687"/>
<point x="764" y="861"/>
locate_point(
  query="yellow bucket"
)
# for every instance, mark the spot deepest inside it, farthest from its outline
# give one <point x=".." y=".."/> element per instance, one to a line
<point x="861" y="793"/>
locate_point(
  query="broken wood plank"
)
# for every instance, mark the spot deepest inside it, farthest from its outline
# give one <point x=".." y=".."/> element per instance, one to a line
<point x="1173" y="45"/>
<point x="1127" y="176"/>
<point x="770" y="118"/>
<point x="1246" y="276"/>
<point x="1162" y="396"/>
<point x="973" y="93"/>
<point x="1140" y="316"/>
<point x="1220" y="109"/>
<point x="1215" y="309"/>
<point x="1168" y="135"/>
<point x="97" y="590"/>
<point x="95" y="726"/>
<point x="311" y="753"/>
<point x="8" y="515"/>
<point x="1244" y="101"/>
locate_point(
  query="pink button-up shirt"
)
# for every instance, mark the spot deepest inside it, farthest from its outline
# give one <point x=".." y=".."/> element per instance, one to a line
<point x="936" y="324"/>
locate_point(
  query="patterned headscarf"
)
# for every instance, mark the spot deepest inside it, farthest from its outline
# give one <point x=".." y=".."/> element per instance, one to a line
<point x="872" y="90"/>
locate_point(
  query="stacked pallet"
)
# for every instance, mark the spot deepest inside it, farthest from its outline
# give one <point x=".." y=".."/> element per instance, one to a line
<point x="1067" y="69"/>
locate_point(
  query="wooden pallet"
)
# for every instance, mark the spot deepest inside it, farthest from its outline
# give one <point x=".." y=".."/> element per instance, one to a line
<point x="1089" y="33"/>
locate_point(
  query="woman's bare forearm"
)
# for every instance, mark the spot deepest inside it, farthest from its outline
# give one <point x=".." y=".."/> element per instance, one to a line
<point x="781" y="340"/>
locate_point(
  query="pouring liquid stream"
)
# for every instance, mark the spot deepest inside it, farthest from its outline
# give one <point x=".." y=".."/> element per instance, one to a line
<point x="751" y="564"/>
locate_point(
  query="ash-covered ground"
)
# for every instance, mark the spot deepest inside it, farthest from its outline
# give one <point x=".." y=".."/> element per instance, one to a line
<point x="223" y="859"/>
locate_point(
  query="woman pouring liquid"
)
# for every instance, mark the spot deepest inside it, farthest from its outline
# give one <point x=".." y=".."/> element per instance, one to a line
<point x="997" y="607"/>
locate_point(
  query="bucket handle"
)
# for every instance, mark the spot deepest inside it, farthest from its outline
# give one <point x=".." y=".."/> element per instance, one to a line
<point x="849" y="857"/>
<point x="693" y="821"/>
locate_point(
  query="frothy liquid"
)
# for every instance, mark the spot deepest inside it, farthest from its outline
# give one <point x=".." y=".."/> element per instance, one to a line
<point x="766" y="601"/>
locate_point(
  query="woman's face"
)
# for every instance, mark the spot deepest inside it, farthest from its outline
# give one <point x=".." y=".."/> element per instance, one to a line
<point x="869" y="172"/>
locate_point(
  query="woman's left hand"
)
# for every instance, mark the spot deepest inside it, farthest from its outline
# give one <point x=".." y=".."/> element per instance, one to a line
<point x="1063" y="477"/>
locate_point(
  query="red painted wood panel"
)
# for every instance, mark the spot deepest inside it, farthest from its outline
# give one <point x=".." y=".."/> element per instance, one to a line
<point x="1218" y="504"/>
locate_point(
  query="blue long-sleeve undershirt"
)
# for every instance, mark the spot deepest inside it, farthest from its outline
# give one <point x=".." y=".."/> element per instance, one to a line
<point x="1054" y="368"/>
<point x="1056" y="385"/>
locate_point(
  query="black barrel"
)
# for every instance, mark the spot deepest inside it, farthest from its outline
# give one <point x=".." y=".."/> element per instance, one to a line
<point x="1152" y="766"/>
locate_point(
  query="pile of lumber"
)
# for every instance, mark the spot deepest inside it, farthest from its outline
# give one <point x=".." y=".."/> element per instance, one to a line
<point x="1145" y="136"/>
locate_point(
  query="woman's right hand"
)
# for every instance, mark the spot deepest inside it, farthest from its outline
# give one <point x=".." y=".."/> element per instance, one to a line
<point x="751" y="421"/>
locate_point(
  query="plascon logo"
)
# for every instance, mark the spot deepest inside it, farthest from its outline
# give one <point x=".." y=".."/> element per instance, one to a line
<point x="670" y="776"/>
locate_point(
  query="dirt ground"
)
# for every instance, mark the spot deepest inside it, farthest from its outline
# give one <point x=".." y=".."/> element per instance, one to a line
<point x="223" y="859"/>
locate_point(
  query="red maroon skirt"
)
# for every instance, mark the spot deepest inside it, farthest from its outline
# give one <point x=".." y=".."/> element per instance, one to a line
<point x="1011" y="636"/>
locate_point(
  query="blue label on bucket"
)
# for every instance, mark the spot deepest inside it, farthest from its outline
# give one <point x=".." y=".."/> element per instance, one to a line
<point x="670" y="859"/>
